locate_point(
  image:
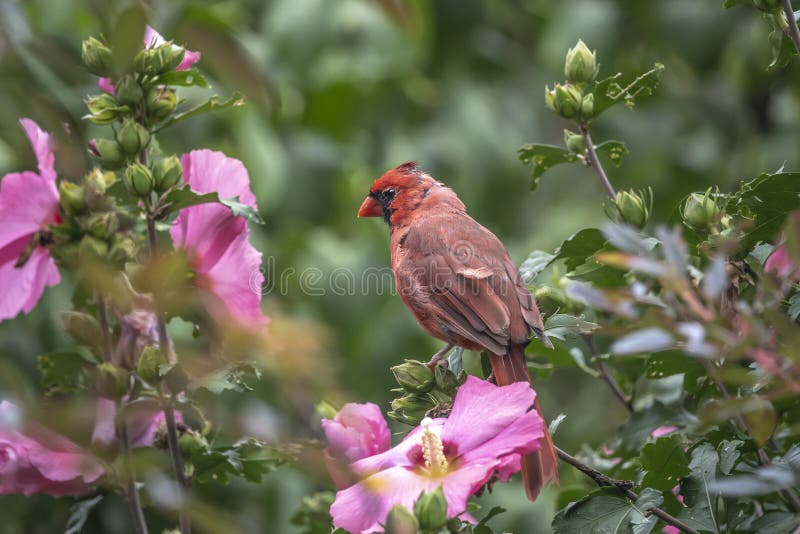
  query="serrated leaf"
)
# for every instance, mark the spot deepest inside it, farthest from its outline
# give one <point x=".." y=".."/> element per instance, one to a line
<point x="780" y="44"/>
<point x="242" y="210"/>
<point x="614" y="150"/>
<point x="184" y="78"/>
<point x="674" y="362"/>
<point x="665" y="462"/>
<point x="767" y="200"/>
<point x="79" y="514"/>
<point x="534" y="264"/>
<point x="542" y="157"/>
<point x="234" y="377"/>
<point x="602" y="511"/>
<point x="700" y="501"/>
<point x="609" y="92"/>
<point x="578" y="247"/>
<point x="628" y="239"/>
<point x="640" y="425"/>
<point x="186" y="197"/>
<point x="212" y="104"/>
<point x="759" y="414"/>
<point x="728" y="455"/>
<point x="764" y="480"/>
<point x="64" y="371"/>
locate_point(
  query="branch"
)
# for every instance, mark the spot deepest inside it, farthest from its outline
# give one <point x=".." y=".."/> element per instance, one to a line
<point x="594" y="162"/>
<point x="131" y="492"/>
<point x="102" y="312"/>
<point x="606" y="376"/>
<point x="624" y="486"/>
<point x="791" y="30"/>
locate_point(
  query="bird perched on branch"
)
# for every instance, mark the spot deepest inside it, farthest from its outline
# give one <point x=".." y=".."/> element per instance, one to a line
<point x="461" y="285"/>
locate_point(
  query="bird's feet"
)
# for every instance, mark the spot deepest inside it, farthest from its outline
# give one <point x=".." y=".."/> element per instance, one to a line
<point x="439" y="355"/>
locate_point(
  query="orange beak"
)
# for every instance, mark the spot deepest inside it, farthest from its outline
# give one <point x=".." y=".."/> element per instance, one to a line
<point x="370" y="208"/>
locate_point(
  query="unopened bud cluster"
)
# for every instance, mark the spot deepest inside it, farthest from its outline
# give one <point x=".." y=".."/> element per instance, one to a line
<point x="634" y="207"/>
<point x="574" y="98"/>
<point x="425" y="392"/>
<point x="701" y="211"/>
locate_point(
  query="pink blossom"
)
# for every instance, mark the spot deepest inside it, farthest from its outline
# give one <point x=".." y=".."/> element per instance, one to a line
<point x="357" y="431"/>
<point x="663" y="431"/>
<point x="36" y="460"/>
<point x="217" y="242"/>
<point x="781" y="265"/>
<point x="28" y="203"/>
<point x="153" y="39"/>
<point x="143" y="420"/>
<point x="488" y="431"/>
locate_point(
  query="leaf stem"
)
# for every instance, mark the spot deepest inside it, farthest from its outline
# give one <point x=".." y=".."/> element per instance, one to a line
<point x="624" y="486"/>
<point x="131" y="492"/>
<point x="792" y="30"/>
<point x="608" y="378"/>
<point x="594" y="162"/>
<point x="102" y="313"/>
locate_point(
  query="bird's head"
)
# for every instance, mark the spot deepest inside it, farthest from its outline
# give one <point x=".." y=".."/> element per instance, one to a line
<point x="402" y="192"/>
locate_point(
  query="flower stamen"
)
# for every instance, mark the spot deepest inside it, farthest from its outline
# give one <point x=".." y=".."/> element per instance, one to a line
<point x="432" y="448"/>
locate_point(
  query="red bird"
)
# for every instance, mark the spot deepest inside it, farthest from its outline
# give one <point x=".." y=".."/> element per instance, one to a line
<point x="462" y="287"/>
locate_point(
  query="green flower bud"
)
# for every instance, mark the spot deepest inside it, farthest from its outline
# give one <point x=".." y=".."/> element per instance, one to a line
<point x="97" y="57"/>
<point x="96" y="184"/>
<point x="446" y="380"/>
<point x="91" y="249"/>
<point x="431" y="510"/>
<point x="587" y="107"/>
<point x="768" y="6"/>
<point x="170" y="56"/>
<point x="103" y="225"/>
<point x="129" y="92"/>
<point x="549" y="98"/>
<point x="82" y="327"/>
<point x="66" y="255"/>
<point x="167" y="173"/>
<point x="633" y="207"/>
<point x="139" y="179"/>
<point x="566" y="100"/>
<point x="413" y="376"/>
<point x="401" y="521"/>
<point x="149" y="362"/>
<point x="132" y="137"/>
<point x="71" y="197"/>
<point x="123" y="250"/>
<point x="103" y="109"/>
<point x="700" y="210"/>
<point x="111" y="381"/>
<point x="574" y="142"/>
<point x="161" y="101"/>
<point x="412" y="407"/>
<point x="581" y="64"/>
<point x="192" y="444"/>
<point x="107" y="152"/>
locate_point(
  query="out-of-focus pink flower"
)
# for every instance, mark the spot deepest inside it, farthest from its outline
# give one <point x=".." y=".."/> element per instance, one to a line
<point x="217" y="242"/>
<point x="28" y="203"/>
<point x="781" y="265"/>
<point x="153" y="39"/>
<point x="357" y="431"/>
<point x="144" y="418"/>
<point x="138" y="329"/>
<point x="663" y="431"/>
<point x="36" y="460"/>
<point x="488" y="431"/>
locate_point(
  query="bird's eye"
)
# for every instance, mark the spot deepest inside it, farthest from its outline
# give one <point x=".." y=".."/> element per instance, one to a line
<point x="388" y="194"/>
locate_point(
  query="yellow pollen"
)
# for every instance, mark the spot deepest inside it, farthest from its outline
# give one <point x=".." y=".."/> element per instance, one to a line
<point x="432" y="448"/>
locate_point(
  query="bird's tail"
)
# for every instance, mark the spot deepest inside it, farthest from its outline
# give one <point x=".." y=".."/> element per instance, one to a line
<point x="538" y="467"/>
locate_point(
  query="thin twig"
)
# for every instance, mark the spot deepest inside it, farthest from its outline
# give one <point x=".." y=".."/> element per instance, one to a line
<point x="594" y="162"/>
<point x="131" y="492"/>
<point x="791" y="29"/>
<point x="607" y="377"/>
<point x="102" y="312"/>
<point x="624" y="486"/>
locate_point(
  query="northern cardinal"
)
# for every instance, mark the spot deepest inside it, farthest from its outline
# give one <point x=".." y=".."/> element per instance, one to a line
<point x="462" y="287"/>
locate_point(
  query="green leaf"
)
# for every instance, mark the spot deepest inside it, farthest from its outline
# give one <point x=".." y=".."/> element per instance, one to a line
<point x="313" y="514"/>
<point x="212" y="104"/>
<point x="665" y="462"/>
<point x="561" y="326"/>
<point x="495" y="511"/>
<point x="534" y="264"/>
<point x="794" y="306"/>
<point x="780" y="44"/>
<point x="183" y="78"/>
<point x="79" y="514"/>
<point x="64" y="371"/>
<point x="605" y="511"/>
<point x="637" y="429"/>
<point x="767" y="200"/>
<point x="579" y="247"/>
<point x="233" y="377"/>
<point x="249" y="459"/>
<point x="775" y="522"/>
<point x="127" y="37"/>
<point x="759" y="414"/>
<point x="762" y="481"/>
<point x="570" y="347"/>
<point x="700" y="501"/>
<point x="728" y="455"/>
<point x="674" y="362"/>
<point x="609" y="92"/>
<point x="242" y="210"/>
<point x="542" y="157"/>
<point x="614" y="150"/>
<point x="185" y="197"/>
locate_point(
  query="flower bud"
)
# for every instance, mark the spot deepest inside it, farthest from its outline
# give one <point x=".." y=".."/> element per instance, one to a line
<point x="413" y="376"/>
<point x="81" y="327"/>
<point x="139" y="179"/>
<point x="66" y="255"/>
<point x="167" y="173"/>
<point x="431" y="510"/>
<point x="123" y="250"/>
<point x="95" y="186"/>
<point x="565" y="100"/>
<point x="163" y="58"/>
<point x="107" y="152"/>
<point x="574" y="142"/>
<point x="401" y="521"/>
<point x="161" y="101"/>
<point x="446" y="380"/>
<point x="103" y="225"/>
<point x="91" y="248"/>
<point x="149" y="363"/>
<point x="700" y="210"/>
<point x="633" y="207"/>
<point x="103" y="109"/>
<point x="132" y="137"/>
<point x="111" y="381"/>
<point x="129" y="92"/>
<point x="192" y="444"/>
<point x="97" y="57"/>
<point x="412" y="408"/>
<point x="768" y="6"/>
<point x="581" y="64"/>
<point x="587" y="107"/>
<point x="71" y="197"/>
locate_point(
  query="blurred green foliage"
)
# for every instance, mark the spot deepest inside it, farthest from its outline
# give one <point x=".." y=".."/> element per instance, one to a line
<point x="336" y="93"/>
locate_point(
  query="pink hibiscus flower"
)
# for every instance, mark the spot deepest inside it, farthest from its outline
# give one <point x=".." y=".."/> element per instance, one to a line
<point x="781" y="265"/>
<point x="36" y="460"/>
<point x="488" y="431"/>
<point x="28" y="203"/>
<point x="152" y="39"/>
<point x="357" y="431"/>
<point x="144" y="418"/>
<point x="217" y="242"/>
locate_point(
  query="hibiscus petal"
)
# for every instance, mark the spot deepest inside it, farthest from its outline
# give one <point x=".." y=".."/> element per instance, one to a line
<point x="521" y="436"/>
<point x="107" y="86"/>
<point x="208" y="171"/>
<point x="152" y="38"/>
<point x="21" y="288"/>
<point x="28" y="202"/>
<point x="461" y="483"/>
<point x="363" y="507"/>
<point x="190" y="57"/>
<point x="482" y="410"/>
<point x="397" y="455"/>
<point x="43" y="148"/>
